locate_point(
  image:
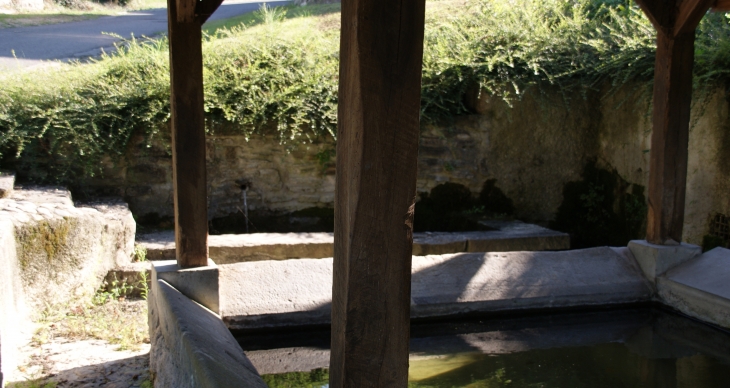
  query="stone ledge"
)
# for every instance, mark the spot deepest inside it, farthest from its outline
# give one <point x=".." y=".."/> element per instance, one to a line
<point x="298" y="292"/>
<point x="234" y="248"/>
<point x="655" y="260"/>
<point x="191" y="347"/>
<point x="700" y="287"/>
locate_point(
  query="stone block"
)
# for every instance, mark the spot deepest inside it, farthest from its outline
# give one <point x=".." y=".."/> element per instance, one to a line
<point x="700" y="287"/>
<point x="199" y="284"/>
<point x="64" y="252"/>
<point x="438" y="243"/>
<point x="191" y="347"/>
<point x="7" y="182"/>
<point x="655" y="260"/>
<point x="299" y="292"/>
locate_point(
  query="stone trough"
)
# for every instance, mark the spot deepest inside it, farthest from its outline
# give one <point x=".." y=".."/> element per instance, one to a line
<point x="276" y="294"/>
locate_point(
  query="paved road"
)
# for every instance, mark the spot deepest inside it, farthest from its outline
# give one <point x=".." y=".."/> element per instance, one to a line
<point x="33" y="45"/>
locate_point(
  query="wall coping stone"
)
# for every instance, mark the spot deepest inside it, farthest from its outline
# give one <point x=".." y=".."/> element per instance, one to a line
<point x="191" y="347"/>
<point x="234" y="248"/>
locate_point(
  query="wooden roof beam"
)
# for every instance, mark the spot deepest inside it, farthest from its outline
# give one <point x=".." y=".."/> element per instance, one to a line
<point x="689" y="15"/>
<point x="674" y="18"/>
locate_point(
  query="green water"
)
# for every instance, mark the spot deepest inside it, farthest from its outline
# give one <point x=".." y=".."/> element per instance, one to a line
<point x="605" y="365"/>
<point x="609" y="350"/>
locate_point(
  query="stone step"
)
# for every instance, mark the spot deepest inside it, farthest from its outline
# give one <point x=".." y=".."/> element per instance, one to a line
<point x="233" y="248"/>
<point x="700" y="287"/>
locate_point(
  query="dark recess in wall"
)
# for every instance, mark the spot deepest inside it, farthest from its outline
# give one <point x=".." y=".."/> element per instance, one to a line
<point x="451" y="207"/>
<point x="602" y="209"/>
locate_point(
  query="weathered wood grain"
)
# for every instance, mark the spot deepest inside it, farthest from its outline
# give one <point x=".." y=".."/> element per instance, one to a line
<point x="381" y="52"/>
<point x="185" y="10"/>
<point x="670" y="137"/>
<point x="188" y="140"/>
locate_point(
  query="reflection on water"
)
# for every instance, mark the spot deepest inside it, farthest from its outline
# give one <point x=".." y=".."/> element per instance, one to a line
<point x="628" y="348"/>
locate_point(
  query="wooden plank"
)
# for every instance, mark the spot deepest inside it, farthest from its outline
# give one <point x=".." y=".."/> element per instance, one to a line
<point x="670" y="138"/>
<point x="689" y="15"/>
<point x="205" y="8"/>
<point x="188" y="140"/>
<point x="381" y="52"/>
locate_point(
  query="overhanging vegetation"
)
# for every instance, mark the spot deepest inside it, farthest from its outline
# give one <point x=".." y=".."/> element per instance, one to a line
<point x="278" y="72"/>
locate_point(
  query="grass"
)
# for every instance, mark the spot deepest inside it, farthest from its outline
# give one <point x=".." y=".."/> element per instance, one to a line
<point x="85" y="10"/>
<point x="110" y="317"/>
<point x="276" y="72"/>
<point x="119" y="322"/>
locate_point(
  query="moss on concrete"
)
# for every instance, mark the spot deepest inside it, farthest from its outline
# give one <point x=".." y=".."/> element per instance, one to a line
<point x="48" y="237"/>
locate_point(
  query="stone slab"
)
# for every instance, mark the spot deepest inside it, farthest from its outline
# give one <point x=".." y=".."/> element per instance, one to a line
<point x="191" y="347"/>
<point x="234" y="248"/>
<point x="7" y="182"/>
<point x="298" y="292"/>
<point x="655" y="260"/>
<point x="199" y="284"/>
<point x="700" y="287"/>
<point x="517" y="236"/>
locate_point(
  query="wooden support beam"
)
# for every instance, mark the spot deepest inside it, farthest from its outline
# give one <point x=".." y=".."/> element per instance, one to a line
<point x="381" y="53"/>
<point x="689" y="15"/>
<point x="721" y="6"/>
<point x="670" y="138"/>
<point x="675" y="23"/>
<point x="184" y="10"/>
<point x="205" y="8"/>
<point x="188" y="140"/>
<point x="661" y="13"/>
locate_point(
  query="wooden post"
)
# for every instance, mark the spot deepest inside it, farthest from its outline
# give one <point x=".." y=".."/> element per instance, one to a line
<point x="381" y="53"/>
<point x="675" y="23"/>
<point x="188" y="130"/>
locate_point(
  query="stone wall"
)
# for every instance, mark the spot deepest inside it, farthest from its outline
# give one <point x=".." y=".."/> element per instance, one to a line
<point x="532" y="150"/>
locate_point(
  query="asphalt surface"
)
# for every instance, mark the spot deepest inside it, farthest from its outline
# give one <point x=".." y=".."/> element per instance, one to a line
<point x="23" y="47"/>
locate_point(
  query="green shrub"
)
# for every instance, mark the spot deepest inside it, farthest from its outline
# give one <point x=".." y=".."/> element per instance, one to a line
<point x="278" y="74"/>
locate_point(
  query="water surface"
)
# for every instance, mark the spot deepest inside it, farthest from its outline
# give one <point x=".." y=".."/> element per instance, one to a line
<point x="646" y="348"/>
